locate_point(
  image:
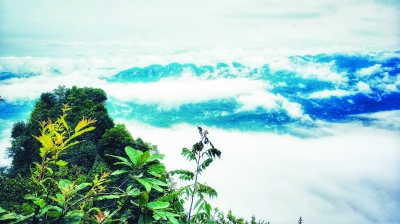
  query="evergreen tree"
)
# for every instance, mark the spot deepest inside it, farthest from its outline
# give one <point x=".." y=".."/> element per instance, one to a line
<point x="85" y="102"/>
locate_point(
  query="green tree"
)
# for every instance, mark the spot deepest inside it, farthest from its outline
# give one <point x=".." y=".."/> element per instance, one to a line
<point x="197" y="190"/>
<point x="113" y="142"/>
<point x="86" y="102"/>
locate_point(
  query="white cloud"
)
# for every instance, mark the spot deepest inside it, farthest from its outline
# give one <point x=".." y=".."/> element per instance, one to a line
<point x="321" y="71"/>
<point x="370" y="70"/>
<point x="387" y="119"/>
<point x="281" y="64"/>
<point x="269" y="102"/>
<point x="262" y="99"/>
<point x="170" y="93"/>
<point x="330" y="93"/>
<point x="325" y="180"/>
<point x="88" y="28"/>
<point x="363" y="87"/>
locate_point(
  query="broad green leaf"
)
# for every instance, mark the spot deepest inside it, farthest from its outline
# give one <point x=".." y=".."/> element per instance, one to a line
<point x="39" y="201"/>
<point x="158" y="205"/>
<point x="124" y="160"/>
<point x="143" y="198"/>
<point x="154" y="181"/>
<point x="27" y="208"/>
<point x="155" y="156"/>
<point x="156" y="217"/>
<point x="61" y="163"/>
<point x="206" y="163"/>
<point x="133" y="154"/>
<point x="129" y="188"/>
<point x="2" y="210"/>
<point x="46" y="208"/>
<point x="157" y="188"/>
<point x="160" y="214"/>
<point x="29" y="196"/>
<point x="64" y="183"/>
<point x="143" y="158"/>
<point x="111" y="196"/>
<point x="208" y="208"/>
<point x="73" y="217"/>
<point x="8" y="216"/>
<point x="134" y="192"/>
<point x="118" y="172"/>
<point x="49" y="170"/>
<point x="197" y="203"/>
<point x="81" y="186"/>
<point x="158" y="168"/>
<point x="201" y="207"/>
<point x="155" y="174"/>
<point x="146" y="184"/>
<point x="145" y="219"/>
<point x="171" y="217"/>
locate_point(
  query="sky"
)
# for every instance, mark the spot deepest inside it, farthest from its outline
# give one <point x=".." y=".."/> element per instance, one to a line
<point x="302" y="98"/>
<point x="91" y="28"/>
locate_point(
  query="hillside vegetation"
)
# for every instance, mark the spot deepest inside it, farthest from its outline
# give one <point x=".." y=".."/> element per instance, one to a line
<point x="72" y="164"/>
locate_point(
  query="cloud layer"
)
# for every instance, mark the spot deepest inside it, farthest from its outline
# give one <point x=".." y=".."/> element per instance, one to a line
<point x="344" y="178"/>
<point x="76" y="28"/>
<point x="311" y="136"/>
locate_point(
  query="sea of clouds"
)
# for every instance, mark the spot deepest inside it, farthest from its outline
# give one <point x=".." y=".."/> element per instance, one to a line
<point x="311" y="136"/>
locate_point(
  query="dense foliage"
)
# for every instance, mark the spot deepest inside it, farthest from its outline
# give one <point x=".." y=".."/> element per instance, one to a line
<point x="71" y="164"/>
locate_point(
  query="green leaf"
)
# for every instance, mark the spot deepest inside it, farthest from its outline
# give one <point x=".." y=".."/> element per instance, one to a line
<point x="155" y="174"/>
<point x="61" y="163"/>
<point x="27" y="208"/>
<point x="158" y="205"/>
<point x="155" y="181"/>
<point x="145" y="219"/>
<point x="143" y="198"/>
<point x="2" y="210"/>
<point x="81" y="186"/>
<point x="29" y="196"/>
<point x="9" y="216"/>
<point x="146" y="184"/>
<point x="158" y="168"/>
<point x="118" y="172"/>
<point x="159" y="214"/>
<point x="111" y="196"/>
<point x="197" y="203"/>
<point x="213" y="152"/>
<point x="64" y="183"/>
<point x="46" y="208"/>
<point x="171" y="217"/>
<point x="133" y="154"/>
<point x="49" y="170"/>
<point x="124" y="160"/>
<point x="201" y="207"/>
<point x="143" y="158"/>
<point x="157" y="188"/>
<point x="206" y="163"/>
<point x="155" y="157"/>
<point x="73" y="217"/>
<point x="188" y="154"/>
<point x="208" y="208"/>
<point x="209" y="191"/>
<point x="184" y="174"/>
<point x="39" y="201"/>
<point x="134" y="192"/>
